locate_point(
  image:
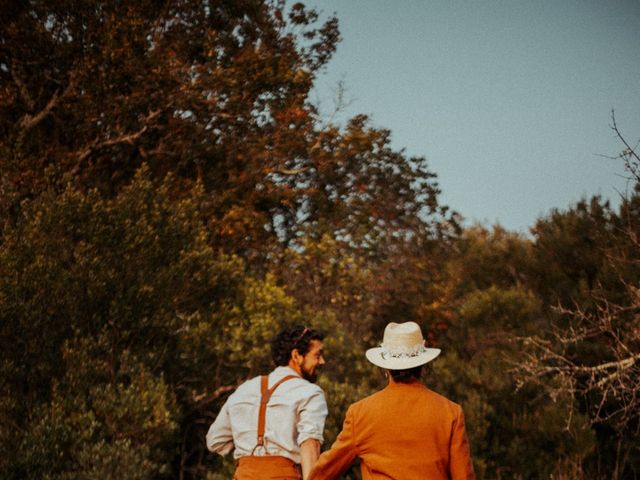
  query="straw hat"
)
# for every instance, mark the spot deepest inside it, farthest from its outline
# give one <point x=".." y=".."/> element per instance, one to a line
<point x="402" y="348"/>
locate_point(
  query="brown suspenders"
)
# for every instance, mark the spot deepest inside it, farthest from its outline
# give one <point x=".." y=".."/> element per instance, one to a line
<point x="266" y="395"/>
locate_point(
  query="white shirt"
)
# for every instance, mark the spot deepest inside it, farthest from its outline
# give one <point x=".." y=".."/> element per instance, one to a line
<point x="296" y="412"/>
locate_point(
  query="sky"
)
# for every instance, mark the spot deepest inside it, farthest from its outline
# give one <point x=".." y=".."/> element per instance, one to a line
<point x="509" y="101"/>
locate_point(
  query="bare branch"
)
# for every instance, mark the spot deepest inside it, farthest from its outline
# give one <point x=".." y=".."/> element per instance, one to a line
<point x="22" y="88"/>
<point x="206" y="398"/>
<point x="610" y="386"/>
<point x="629" y="152"/>
<point x="291" y="171"/>
<point x="123" y="138"/>
<point x="28" y="121"/>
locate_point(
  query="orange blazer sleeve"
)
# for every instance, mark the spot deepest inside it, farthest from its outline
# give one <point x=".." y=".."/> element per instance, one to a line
<point x="460" y="465"/>
<point x="335" y="461"/>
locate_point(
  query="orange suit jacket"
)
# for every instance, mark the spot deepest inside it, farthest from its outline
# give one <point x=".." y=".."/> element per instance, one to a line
<point x="403" y="432"/>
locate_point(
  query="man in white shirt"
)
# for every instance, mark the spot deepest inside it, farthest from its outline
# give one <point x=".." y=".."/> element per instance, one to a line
<point x="275" y="423"/>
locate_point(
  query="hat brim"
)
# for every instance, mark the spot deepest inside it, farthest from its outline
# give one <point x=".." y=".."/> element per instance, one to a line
<point x="377" y="357"/>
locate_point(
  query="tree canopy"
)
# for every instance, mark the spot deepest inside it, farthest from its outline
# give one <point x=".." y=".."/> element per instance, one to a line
<point x="170" y="197"/>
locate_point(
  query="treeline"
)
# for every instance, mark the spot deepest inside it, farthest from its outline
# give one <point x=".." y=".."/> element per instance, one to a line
<point x="170" y="197"/>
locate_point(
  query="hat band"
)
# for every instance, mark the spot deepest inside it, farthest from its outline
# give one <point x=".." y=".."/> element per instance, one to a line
<point x="411" y="352"/>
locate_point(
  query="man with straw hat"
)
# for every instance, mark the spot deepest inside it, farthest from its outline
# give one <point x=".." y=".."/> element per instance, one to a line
<point x="274" y="423"/>
<point x="404" y="431"/>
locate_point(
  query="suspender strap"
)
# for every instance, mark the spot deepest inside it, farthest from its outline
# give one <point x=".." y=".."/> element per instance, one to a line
<point x="264" y="382"/>
<point x="266" y="395"/>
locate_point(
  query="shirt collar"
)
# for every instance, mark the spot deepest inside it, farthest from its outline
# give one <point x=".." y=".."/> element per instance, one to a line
<point x="283" y="371"/>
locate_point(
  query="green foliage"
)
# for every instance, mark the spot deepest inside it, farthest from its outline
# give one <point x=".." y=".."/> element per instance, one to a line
<point x="124" y="323"/>
<point x="89" y="316"/>
<point x="491" y="257"/>
<point x="505" y="426"/>
<point x="95" y="428"/>
<point x="571" y="251"/>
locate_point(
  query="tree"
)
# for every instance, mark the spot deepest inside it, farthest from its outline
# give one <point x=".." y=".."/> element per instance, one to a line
<point x="490" y="288"/>
<point x="592" y="352"/>
<point x="570" y="249"/>
<point x="211" y="93"/>
<point x="483" y="258"/>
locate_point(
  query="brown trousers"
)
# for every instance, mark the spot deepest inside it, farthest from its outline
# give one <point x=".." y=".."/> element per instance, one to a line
<point x="266" y="468"/>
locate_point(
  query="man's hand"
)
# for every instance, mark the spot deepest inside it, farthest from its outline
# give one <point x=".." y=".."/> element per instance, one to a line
<point x="309" y="453"/>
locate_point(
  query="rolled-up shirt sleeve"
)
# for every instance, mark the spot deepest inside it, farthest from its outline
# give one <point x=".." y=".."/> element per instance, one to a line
<point x="312" y="414"/>
<point x="219" y="436"/>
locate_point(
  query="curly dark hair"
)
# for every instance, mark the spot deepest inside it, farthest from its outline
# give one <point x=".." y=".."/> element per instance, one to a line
<point x="296" y="337"/>
<point x="408" y="375"/>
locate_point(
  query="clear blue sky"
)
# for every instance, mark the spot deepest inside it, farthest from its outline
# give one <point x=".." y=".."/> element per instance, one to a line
<point x="509" y="101"/>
